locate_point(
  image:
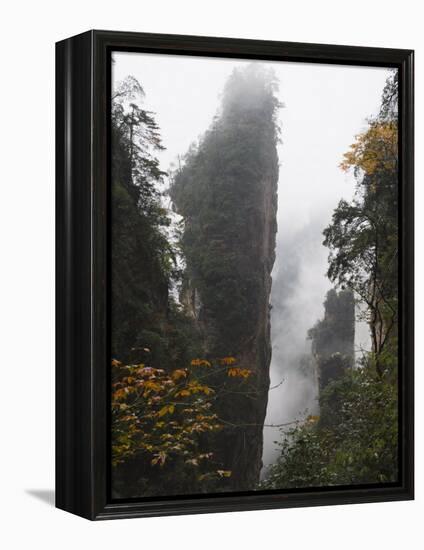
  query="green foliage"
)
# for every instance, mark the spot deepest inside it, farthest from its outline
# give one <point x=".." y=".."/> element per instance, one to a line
<point x="333" y="337"/>
<point x="355" y="440"/>
<point x="148" y="328"/>
<point x="218" y="192"/>
<point x="363" y="235"/>
<point x="141" y="256"/>
<point x="226" y="192"/>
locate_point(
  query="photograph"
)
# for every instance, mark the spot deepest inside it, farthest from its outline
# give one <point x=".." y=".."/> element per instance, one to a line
<point x="253" y="280"/>
<point x="209" y="261"/>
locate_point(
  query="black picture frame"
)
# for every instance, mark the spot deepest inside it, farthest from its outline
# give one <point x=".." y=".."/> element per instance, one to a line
<point x="82" y="237"/>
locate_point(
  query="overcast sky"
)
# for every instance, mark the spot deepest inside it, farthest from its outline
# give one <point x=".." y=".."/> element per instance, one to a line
<point x="325" y="106"/>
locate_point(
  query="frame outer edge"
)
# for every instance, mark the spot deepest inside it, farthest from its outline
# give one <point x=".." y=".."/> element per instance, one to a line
<point x="81" y="199"/>
<point x="407" y="261"/>
<point x="74" y="381"/>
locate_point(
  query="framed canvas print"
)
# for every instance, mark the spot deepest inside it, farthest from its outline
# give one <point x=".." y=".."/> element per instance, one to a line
<point x="234" y="274"/>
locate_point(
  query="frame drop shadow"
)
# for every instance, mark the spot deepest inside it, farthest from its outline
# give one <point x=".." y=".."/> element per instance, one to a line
<point x="45" y="495"/>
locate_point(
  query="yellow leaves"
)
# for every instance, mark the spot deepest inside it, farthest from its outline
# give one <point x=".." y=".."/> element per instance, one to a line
<point x="312" y="419"/>
<point x="147" y="417"/>
<point x="128" y="417"/>
<point x="224" y="473"/>
<point x="183" y="393"/>
<point x="167" y="409"/>
<point x="375" y="150"/>
<point x="237" y="372"/>
<point x="195" y="387"/>
<point x="201" y="417"/>
<point x="199" y="427"/>
<point x="121" y="393"/>
<point x="146" y="372"/>
<point x="228" y="361"/>
<point x="200" y="363"/>
<point x="163" y="411"/>
<point x="159" y="458"/>
<point x="179" y="373"/>
<point x="116" y="363"/>
<point x="151" y="385"/>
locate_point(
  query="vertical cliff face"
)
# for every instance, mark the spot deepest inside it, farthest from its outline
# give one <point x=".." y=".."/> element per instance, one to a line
<point x="333" y="337"/>
<point x="227" y="195"/>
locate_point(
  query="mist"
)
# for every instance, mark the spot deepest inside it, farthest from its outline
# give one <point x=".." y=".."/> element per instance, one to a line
<point x="325" y="106"/>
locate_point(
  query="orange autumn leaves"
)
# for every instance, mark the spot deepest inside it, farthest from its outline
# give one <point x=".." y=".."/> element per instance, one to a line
<point x="225" y="361"/>
<point x="375" y="150"/>
<point x="157" y="414"/>
<point x="236" y="372"/>
<point x="160" y="416"/>
<point x="200" y="363"/>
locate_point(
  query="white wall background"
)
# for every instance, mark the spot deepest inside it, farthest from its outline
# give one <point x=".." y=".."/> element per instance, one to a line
<point x="28" y="32"/>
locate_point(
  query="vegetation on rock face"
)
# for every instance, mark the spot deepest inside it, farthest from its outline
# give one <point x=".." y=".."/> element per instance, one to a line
<point x="226" y="192"/>
<point x="333" y="337"/>
<point x="182" y="434"/>
<point x="353" y="441"/>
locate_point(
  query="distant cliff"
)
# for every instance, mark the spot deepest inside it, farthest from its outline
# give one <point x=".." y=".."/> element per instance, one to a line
<point x="226" y="192"/>
<point x="333" y="337"/>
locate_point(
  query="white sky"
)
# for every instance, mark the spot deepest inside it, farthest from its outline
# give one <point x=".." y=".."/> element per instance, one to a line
<point x="325" y="107"/>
